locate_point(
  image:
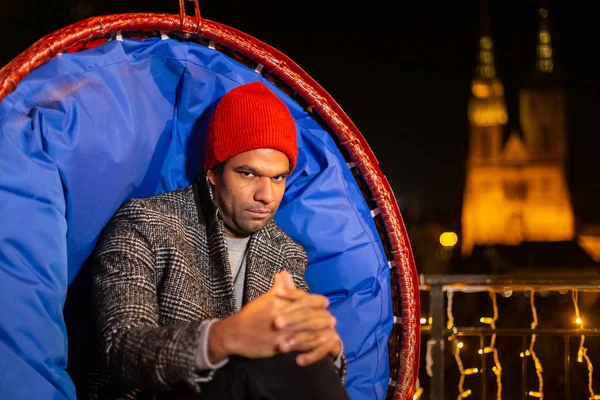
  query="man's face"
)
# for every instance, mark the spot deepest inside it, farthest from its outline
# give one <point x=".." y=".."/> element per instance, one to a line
<point x="249" y="189"/>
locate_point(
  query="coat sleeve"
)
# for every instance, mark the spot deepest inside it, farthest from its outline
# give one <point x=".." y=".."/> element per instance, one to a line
<point x="136" y="350"/>
<point x="296" y="263"/>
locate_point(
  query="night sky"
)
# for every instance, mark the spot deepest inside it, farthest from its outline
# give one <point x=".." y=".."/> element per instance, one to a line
<point x="401" y="73"/>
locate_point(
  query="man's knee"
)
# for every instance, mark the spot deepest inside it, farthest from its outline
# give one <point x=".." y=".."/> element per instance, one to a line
<point x="282" y="378"/>
<point x="284" y="362"/>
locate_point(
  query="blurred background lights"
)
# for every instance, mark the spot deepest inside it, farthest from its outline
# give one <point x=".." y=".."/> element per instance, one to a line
<point x="448" y="239"/>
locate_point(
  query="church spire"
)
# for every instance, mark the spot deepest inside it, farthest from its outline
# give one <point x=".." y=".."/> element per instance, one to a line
<point x="487" y="106"/>
<point x="485" y="58"/>
<point x="544" y="62"/>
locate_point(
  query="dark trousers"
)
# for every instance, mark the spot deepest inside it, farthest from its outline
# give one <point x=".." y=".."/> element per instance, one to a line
<point x="275" y="378"/>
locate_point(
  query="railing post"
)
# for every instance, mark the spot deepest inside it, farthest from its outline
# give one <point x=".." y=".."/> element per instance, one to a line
<point x="567" y="367"/>
<point x="483" y="368"/>
<point x="524" y="367"/>
<point x="436" y="310"/>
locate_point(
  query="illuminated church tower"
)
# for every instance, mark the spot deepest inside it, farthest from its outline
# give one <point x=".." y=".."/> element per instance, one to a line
<point x="516" y="189"/>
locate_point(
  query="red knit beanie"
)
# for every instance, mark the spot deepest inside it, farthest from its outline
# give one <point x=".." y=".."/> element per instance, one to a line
<point x="250" y="117"/>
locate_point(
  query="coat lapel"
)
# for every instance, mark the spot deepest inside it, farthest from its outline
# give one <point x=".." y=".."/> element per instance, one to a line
<point x="265" y="258"/>
<point x="218" y="271"/>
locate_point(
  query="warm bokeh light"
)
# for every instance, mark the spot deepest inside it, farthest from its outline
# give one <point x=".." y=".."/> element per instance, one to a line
<point x="481" y="90"/>
<point x="448" y="239"/>
<point x="591" y="244"/>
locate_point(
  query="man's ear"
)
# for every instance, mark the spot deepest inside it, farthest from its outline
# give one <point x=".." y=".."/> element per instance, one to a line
<point x="211" y="175"/>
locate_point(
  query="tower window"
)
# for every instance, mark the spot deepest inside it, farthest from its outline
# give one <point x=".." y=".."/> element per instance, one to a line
<point x="515" y="190"/>
<point x="544" y="138"/>
<point x="486" y="145"/>
<point x="545" y="185"/>
<point x="532" y="104"/>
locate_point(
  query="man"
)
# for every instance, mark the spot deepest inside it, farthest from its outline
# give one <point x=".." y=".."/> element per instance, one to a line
<point x="199" y="294"/>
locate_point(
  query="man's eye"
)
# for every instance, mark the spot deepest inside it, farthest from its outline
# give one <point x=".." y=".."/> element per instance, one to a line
<point x="279" y="178"/>
<point x="247" y="174"/>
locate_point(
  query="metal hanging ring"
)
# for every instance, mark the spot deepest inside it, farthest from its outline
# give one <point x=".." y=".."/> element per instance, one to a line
<point x="182" y="15"/>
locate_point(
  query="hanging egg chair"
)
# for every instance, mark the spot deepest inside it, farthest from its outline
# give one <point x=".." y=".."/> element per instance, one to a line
<point x="115" y="107"/>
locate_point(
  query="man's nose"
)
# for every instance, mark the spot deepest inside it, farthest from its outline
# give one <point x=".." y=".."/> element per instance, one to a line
<point x="264" y="192"/>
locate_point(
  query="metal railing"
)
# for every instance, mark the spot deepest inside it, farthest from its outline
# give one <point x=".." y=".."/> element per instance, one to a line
<point x="546" y="313"/>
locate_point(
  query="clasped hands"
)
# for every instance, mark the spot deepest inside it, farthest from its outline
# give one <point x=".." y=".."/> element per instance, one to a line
<point x="283" y="320"/>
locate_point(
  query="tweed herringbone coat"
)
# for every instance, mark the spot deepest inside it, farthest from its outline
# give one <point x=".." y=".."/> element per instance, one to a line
<point x="160" y="270"/>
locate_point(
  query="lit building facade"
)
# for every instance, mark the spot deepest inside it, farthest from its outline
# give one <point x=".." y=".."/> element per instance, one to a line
<point x="516" y="188"/>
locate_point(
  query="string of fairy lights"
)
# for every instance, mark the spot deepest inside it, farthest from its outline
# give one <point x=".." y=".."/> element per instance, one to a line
<point x="582" y="351"/>
<point x="531" y="352"/>
<point x="458" y="347"/>
<point x="497" y="368"/>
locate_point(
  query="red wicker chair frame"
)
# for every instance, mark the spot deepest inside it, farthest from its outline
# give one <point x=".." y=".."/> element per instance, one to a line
<point x="404" y="341"/>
